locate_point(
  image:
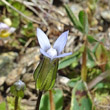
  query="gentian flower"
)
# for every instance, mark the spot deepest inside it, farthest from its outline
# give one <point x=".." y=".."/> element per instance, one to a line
<point x="55" y="51"/>
<point x="5" y="30"/>
<point x="17" y="89"/>
<point x="46" y="72"/>
<point x="19" y="85"/>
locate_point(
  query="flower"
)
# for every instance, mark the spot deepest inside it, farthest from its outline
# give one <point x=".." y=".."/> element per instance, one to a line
<point x="19" y="85"/>
<point x="5" y="30"/>
<point x="55" y="51"/>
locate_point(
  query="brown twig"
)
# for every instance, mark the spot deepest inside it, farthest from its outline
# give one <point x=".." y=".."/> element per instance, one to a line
<point x="26" y="45"/>
<point x="84" y="61"/>
<point x="99" y="78"/>
<point x="52" y="106"/>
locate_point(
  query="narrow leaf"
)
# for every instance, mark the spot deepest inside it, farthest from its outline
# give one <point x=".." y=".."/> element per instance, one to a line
<point x="73" y="18"/>
<point x="84" y="21"/>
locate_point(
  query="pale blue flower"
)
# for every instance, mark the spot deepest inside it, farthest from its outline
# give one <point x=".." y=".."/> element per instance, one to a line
<point x="19" y="85"/>
<point x="55" y="51"/>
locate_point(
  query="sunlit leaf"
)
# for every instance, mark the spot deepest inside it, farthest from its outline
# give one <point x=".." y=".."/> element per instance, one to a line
<point x="91" y="39"/>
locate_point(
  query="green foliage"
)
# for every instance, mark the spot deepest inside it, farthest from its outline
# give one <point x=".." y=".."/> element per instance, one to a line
<point x="71" y="59"/>
<point x="73" y="18"/>
<point x="80" y="97"/>
<point x="91" y="39"/>
<point x="82" y="23"/>
<point x="45" y="74"/>
<point x="101" y="56"/>
<point x="11" y="103"/>
<point x="2" y="106"/>
<point x="102" y="85"/>
<point x="28" y="30"/>
<point x="73" y="82"/>
<point x="90" y="62"/>
<point x="58" y="100"/>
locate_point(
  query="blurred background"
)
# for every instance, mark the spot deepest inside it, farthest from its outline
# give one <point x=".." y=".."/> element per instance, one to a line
<point x="20" y="55"/>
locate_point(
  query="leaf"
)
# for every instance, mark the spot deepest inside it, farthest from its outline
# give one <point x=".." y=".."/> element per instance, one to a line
<point x="72" y="82"/>
<point x="90" y="62"/>
<point x="101" y="54"/>
<point x="70" y="59"/>
<point x="91" y="39"/>
<point x="58" y="100"/>
<point x="80" y="97"/>
<point x="84" y="21"/>
<point x="95" y="47"/>
<point x="73" y="18"/>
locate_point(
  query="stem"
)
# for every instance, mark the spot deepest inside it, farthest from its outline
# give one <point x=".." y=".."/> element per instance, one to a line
<point x="84" y="60"/>
<point x="38" y="100"/>
<point x="16" y="103"/>
<point x="52" y="106"/>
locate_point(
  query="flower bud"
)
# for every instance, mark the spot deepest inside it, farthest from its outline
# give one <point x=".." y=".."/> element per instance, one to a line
<point x="19" y="85"/>
<point x="45" y="74"/>
<point x="17" y="89"/>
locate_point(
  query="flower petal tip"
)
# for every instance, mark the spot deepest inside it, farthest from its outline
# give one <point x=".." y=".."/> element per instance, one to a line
<point x="42" y="39"/>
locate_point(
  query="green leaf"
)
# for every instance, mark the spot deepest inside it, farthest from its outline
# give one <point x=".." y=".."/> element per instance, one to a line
<point x="73" y="18"/>
<point x="2" y="106"/>
<point x="70" y="59"/>
<point x="58" y="100"/>
<point x="101" y="54"/>
<point x="95" y="47"/>
<point x="73" y="82"/>
<point x="90" y="62"/>
<point x="84" y="21"/>
<point x="80" y="97"/>
<point x="91" y="39"/>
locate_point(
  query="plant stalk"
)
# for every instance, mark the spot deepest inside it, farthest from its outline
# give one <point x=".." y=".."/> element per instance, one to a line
<point x="52" y="106"/>
<point x="38" y="100"/>
<point x="84" y="61"/>
<point x="16" y="103"/>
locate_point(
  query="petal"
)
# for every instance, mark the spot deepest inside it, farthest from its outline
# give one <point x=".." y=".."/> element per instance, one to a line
<point x="43" y="40"/>
<point x="3" y="26"/>
<point x="61" y="42"/>
<point x="44" y="53"/>
<point x="11" y="30"/>
<point x="63" y="55"/>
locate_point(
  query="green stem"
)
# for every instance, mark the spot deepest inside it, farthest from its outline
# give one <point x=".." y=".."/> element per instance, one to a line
<point x="84" y="61"/>
<point x="38" y="100"/>
<point x="16" y="103"/>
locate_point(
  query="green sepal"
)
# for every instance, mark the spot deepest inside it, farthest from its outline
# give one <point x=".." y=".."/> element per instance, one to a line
<point x="45" y="74"/>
